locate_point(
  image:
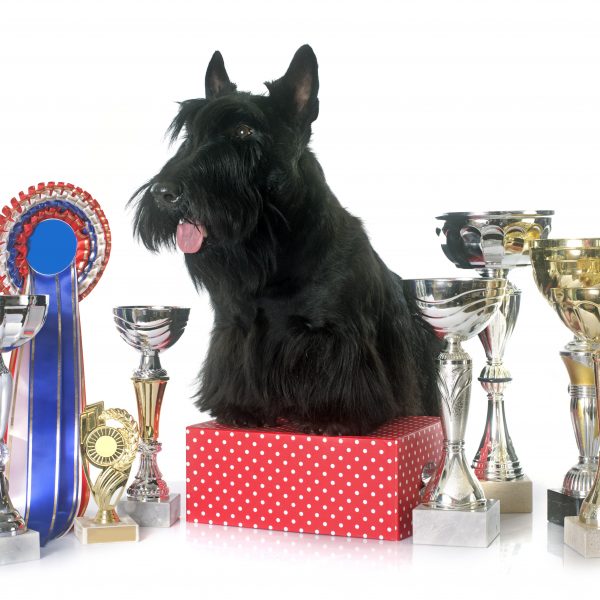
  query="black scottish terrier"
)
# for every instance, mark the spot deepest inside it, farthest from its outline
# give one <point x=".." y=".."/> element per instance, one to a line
<point x="310" y="325"/>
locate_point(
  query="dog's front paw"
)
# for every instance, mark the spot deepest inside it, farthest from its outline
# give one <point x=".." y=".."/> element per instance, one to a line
<point x="331" y="429"/>
<point x="235" y="417"/>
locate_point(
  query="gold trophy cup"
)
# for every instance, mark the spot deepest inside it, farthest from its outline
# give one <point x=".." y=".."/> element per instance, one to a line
<point x="109" y="442"/>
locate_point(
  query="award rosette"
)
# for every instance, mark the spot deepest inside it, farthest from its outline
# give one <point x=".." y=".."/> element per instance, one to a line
<point x="54" y="240"/>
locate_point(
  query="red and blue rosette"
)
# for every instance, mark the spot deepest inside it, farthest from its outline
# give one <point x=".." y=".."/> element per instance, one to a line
<point x="46" y="479"/>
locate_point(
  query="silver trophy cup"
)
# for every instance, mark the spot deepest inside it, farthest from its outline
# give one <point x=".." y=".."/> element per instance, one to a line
<point x="455" y="510"/>
<point x="492" y="243"/>
<point x="21" y="317"/>
<point x="151" y="330"/>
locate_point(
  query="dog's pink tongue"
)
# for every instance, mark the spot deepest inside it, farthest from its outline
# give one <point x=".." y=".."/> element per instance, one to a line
<point x="190" y="237"/>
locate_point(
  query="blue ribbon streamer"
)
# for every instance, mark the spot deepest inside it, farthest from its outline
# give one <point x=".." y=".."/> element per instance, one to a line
<point x="54" y="407"/>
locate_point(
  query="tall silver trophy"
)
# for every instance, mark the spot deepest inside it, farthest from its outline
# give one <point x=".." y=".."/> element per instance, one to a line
<point x="493" y="243"/>
<point x="151" y="330"/>
<point x="455" y="511"/>
<point x="573" y="264"/>
<point x="21" y="317"/>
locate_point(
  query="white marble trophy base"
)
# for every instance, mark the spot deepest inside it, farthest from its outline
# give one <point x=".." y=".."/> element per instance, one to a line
<point x="159" y="513"/>
<point x="582" y="538"/>
<point x="19" y="548"/>
<point x="515" y="496"/>
<point x="472" y="528"/>
<point x="89" y="532"/>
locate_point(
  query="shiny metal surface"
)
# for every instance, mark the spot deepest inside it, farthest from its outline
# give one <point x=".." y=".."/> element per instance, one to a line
<point x="493" y="243"/>
<point x="496" y="239"/>
<point x="565" y="268"/>
<point x="579" y="310"/>
<point x="150" y="329"/>
<point x="21" y="317"/>
<point x="108" y="441"/>
<point x="496" y="458"/>
<point x="590" y="509"/>
<point x="570" y="264"/>
<point x="457" y="309"/>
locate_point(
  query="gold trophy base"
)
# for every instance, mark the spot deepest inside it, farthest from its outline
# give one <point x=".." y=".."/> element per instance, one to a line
<point x="515" y="496"/>
<point x="87" y="531"/>
<point x="582" y="538"/>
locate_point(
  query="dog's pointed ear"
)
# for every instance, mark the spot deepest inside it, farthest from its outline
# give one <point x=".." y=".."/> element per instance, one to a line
<point x="296" y="92"/>
<point x="217" y="81"/>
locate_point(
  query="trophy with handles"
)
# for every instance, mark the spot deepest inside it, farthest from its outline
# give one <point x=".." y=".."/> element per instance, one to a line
<point x="493" y="243"/>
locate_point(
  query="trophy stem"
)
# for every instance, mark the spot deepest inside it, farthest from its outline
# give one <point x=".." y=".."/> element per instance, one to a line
<point x="579" y="363"/>
<point x="454" y="486"/>
<point x="496" y="458"/>
<point x="106" y="516"/>
<point x="148" y="484"/>
<point x="590" y="509"/>
<point x="11" y="522"/>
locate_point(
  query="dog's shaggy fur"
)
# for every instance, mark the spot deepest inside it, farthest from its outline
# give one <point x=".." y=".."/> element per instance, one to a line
<point x="310" y="325"/>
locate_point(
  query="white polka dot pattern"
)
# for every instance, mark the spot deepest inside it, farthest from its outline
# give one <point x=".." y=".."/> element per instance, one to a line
<point x="277" y="478"/>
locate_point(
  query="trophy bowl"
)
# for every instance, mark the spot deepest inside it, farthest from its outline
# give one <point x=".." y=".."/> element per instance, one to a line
<point x="458" y="307"/>
<point x="579" y="310"/>
<point x="498" y="239"/>
<point x="21" y="317"/>
<point x="151" y="328"/>
<point x="565" y="268"/>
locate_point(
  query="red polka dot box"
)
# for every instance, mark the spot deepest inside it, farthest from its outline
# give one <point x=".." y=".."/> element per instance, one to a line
<point x="277" y="478"/>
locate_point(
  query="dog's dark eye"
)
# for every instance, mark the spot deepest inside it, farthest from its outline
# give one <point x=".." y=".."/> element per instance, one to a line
<point x="241" y="132"/>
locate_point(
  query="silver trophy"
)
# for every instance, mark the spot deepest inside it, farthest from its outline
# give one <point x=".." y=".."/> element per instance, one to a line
<point x="572" y="264"/>
<point x="21" y="317"/>
<point x="455" y="511"/>
<point x="493" y="243"/>
<point x="151" y="330"/>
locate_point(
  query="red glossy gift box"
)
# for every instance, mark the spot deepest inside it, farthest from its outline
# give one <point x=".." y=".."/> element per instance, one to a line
<point x="277" y="478"/>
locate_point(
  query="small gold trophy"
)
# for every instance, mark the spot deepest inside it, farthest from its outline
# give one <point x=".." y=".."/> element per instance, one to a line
<point x="112" y="450"/>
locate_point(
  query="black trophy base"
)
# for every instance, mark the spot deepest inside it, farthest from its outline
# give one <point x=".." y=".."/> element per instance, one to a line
<point x="560" y="506"/>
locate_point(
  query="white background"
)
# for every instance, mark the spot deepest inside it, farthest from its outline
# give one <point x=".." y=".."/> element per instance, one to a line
<point x="426" y="107"/>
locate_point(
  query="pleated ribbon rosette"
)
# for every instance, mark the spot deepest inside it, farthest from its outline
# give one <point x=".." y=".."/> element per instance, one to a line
<point x="45" y="471"/>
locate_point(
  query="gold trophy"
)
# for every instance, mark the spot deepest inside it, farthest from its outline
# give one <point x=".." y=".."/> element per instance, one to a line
<point x="579" y="310"/>
<point x="112" y="450"/>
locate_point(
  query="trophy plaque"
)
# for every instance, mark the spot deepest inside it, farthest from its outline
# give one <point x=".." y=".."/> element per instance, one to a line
<point x="455" y="511"/>
<point x="109" y="441"/>
<point x="579" y="310"/>
<point x="150" y="329"/>
<point x="21" y="317"/>
<point x="493" y="243"/>
<point x="573" y="264"/>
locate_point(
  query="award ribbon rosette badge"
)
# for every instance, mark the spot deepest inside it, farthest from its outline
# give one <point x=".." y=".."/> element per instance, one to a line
<point x="54" y="241"/>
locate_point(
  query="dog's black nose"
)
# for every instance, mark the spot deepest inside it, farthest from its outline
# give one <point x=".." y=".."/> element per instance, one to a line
<point x="165" y="191"/>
